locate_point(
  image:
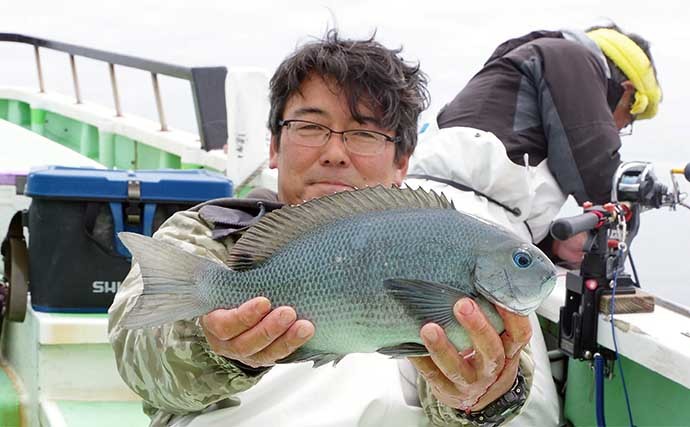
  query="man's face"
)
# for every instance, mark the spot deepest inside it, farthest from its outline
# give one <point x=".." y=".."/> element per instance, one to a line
<point x="305" y="173"/>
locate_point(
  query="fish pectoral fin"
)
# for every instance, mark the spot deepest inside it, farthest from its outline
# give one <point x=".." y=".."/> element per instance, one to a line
<point x="425" y="301"/>
<point x="407" y="349"/>
<point x="318" y="357"/>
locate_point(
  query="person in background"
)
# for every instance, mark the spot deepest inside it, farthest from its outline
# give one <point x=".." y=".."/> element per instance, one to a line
<point x="540" y="121"/>
<point x="364" y="101"/>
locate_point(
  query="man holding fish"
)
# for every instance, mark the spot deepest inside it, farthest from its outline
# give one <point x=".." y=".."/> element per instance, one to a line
<point x="343" y="117"/>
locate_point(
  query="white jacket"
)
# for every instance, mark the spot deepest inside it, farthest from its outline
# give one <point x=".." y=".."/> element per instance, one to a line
<point x="477" y="159"/>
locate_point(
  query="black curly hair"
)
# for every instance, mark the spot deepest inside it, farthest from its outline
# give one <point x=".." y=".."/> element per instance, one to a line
<point x="368" y="72"/>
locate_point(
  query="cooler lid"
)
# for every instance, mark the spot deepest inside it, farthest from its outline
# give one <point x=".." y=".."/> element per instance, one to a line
<point x="159" y="185"/>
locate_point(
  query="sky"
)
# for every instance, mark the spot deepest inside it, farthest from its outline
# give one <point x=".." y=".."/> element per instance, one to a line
<point x="450" y="39"/>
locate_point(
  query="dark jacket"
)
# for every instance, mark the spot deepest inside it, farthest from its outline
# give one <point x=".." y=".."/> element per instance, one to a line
<point x="546" y="96"/>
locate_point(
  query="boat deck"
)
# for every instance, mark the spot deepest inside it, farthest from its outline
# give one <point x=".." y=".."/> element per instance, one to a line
<point x="68" y="372"/>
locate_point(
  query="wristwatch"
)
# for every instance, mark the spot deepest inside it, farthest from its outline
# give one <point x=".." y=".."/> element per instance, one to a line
<point x="498" y="411"/>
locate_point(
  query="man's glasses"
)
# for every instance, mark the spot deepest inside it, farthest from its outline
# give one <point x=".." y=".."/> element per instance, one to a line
<point x="357" y="141"/>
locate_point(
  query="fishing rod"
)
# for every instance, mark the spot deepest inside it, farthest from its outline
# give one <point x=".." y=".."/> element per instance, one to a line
<point x="611" y="229"/>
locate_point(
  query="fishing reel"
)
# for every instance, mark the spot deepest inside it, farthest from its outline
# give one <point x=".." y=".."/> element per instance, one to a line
<point x="611" y="228"/>
<point x="635" y="188"/>
<point x="636" y="182"/>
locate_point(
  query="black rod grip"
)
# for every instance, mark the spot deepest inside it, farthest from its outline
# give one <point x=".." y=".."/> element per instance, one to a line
<point x="564" y="228"/>
<point x="686" y="172"/>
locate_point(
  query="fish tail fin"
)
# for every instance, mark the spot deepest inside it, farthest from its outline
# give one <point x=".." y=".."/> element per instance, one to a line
<point x="170" y="290"/>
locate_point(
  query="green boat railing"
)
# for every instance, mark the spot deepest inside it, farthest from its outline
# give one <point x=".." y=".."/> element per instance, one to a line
<point x="207" y="83"/>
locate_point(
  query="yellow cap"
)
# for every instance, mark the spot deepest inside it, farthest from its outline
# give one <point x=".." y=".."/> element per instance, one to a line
<point x="632" y="60"/>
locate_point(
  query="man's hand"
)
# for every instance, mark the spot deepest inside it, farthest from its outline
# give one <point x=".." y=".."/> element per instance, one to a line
<point x="254" y="334"/>
<point x="473" y="380"/>
<point x="571" y="250"/>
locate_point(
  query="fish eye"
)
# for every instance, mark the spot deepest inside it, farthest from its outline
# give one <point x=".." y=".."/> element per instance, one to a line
<point x="522" y="258"/>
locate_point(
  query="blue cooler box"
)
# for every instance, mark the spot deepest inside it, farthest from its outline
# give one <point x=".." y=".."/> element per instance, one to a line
<point x="76" y="261"/>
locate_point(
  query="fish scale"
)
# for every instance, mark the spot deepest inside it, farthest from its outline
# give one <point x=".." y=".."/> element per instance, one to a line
<point x="367" y="279"/>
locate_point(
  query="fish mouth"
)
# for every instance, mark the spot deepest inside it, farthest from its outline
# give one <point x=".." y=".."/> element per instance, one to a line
<point x="549" y="282"/>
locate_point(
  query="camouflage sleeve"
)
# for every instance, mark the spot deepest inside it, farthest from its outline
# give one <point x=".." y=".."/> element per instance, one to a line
<point x="172" y="367"/>
<point x="442" y="415"/>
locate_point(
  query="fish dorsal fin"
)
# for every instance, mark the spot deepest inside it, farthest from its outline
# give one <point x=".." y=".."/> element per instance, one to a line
<point x="283" y="225"/>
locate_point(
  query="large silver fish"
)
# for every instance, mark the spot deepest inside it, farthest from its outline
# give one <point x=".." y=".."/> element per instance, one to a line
<point x="368" y="267"/>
